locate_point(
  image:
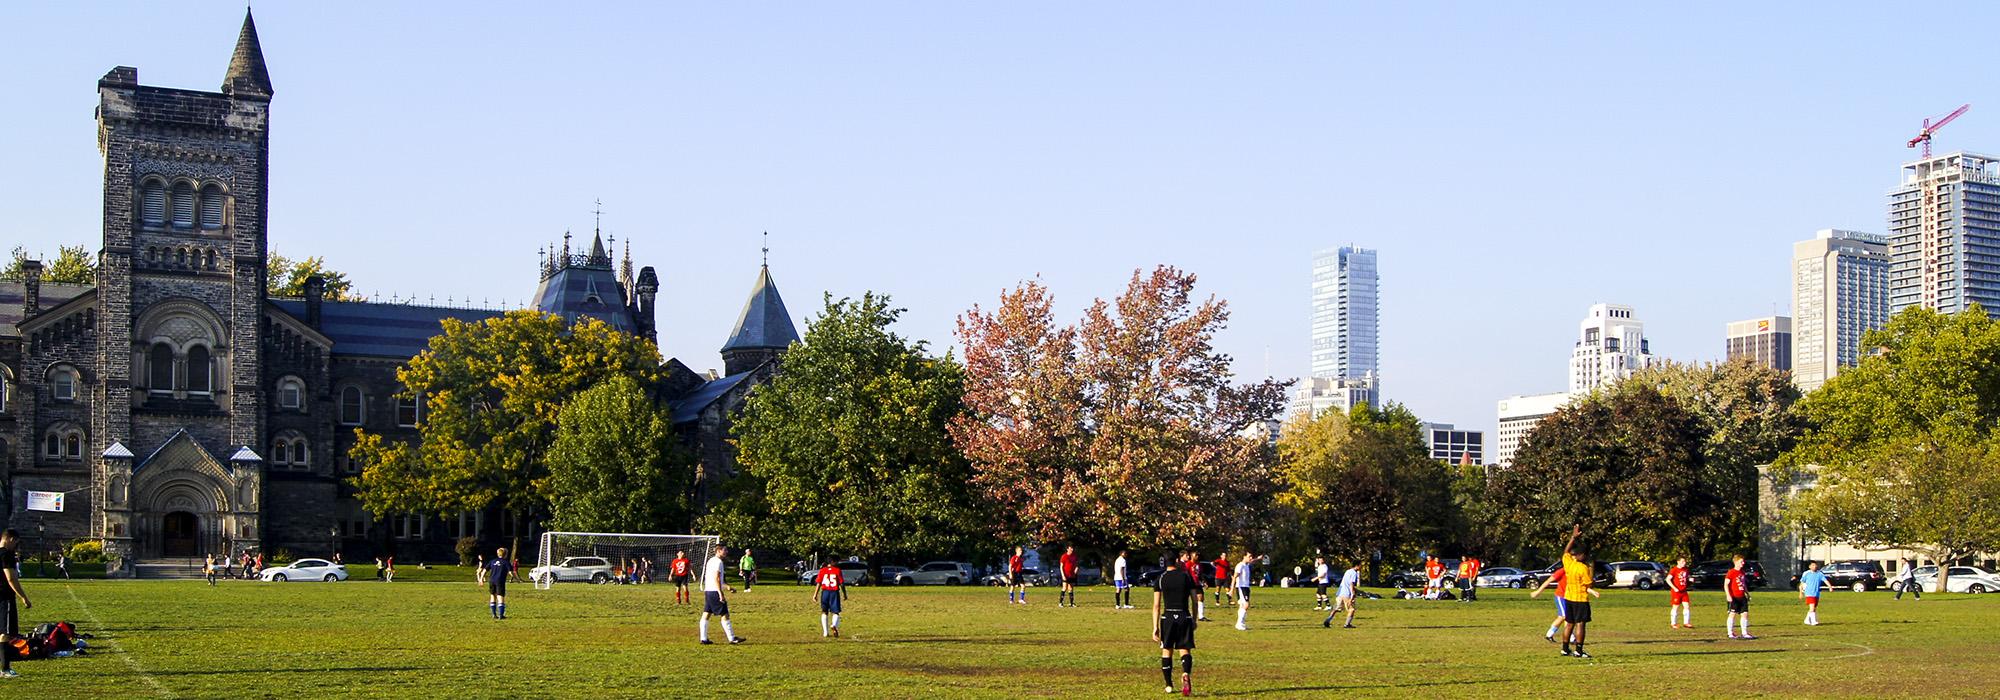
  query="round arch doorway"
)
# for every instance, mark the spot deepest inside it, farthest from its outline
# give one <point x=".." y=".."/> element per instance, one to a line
<point x="177" y="535"/>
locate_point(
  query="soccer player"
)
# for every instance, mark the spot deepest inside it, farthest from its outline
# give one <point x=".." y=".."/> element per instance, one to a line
<point x="714" y="603"/>
<point x="1433" y="577"/>
<point x="496" y="583"/>
<point x="1559" y="581"/>
<point x="1468" y="579"/>
<point x="1066" y="568"/>
<point x="1173" y="627"/>
<point x="1576" y="570"/>
<point x="1320" y="577"/>
<point x="208" y="569"/>
<point x="829" y="590"/>
<point x="1810" y="584"/>
<point x="1015" y="581"/>
<point x="1121" y="588"/>
<point x="1221" y="577"/>
<point x="680" y="570"/>
<point x="1350" y="588"/>
<point x="1739" y="599"/>
<point x="1191" y="562"/>
<point x="1242" y="580"/>
<point x="748" y="568"/>
<point x="10" y="614"/>
<point x="1677" y="596"/>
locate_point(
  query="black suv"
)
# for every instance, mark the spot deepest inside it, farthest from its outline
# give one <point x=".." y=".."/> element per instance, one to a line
<point x="1854" y="575"/>
<point x="1712" y="574"/>
<point x="1600" y="575"/>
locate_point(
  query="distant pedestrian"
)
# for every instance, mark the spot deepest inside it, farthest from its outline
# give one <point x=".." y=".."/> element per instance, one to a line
<point x="1909" y="583"/>
<point x="62" y="564"/>
<point x="1121" y="587"/>
<point x="748" y="569"/>
<point x="479" y="570"/>
<point x="496" y="584"/>
<point x="208" y="568"/>
<point x="388" y="568"/>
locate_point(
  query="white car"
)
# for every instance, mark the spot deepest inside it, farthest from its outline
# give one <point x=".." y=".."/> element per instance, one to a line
<point x="938" y="573"/>
<point x="1503" y="577"/>
<point x="1963" y="579"/>
<point x="306" y="570"/>
<point x="852" y="573"/>
<point x="583" y="569"/>
<point x="1643" y="575"/>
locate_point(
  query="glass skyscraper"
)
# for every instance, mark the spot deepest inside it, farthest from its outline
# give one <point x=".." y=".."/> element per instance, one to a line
<point x="1944" y="234"/>
<point x="1345" y="307"/>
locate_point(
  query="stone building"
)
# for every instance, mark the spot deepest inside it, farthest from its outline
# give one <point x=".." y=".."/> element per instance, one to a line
<point x="183" y="410"/>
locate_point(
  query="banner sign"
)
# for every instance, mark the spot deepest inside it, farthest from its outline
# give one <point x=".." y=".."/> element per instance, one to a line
<point x="50" y="501"/>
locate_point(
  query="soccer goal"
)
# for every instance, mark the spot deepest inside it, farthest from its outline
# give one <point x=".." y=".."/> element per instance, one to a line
<point x="599" y="557"/>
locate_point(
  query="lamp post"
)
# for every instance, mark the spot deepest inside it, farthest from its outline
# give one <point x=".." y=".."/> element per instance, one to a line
<point x="333" y="543"/>
<point x="42" y="539"/>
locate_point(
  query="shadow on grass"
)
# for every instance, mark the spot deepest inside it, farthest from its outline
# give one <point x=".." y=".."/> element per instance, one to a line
<point x="1361" y="686"/>
<point x="261" y="671"/>
<point x="1714" y="652"/>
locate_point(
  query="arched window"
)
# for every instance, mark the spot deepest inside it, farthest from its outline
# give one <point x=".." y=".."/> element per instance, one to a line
<point x="5" y="387"/>
<point x="54" y="447"/>
<point x="211" y="208"/>
<point x="160" y="368"/>
<point x="75" y="445"/>
<point x="291" y="394"/>
<point x="300" y="457"/>
<point x="183" y="205"/>
<point x="281" y="451"/>
<point x="351" y="405"/>
<point x="211" y="260"/>
<point x="152" y="204"/>
<point x="200" y="370"/>
<point x="63" y="383"/>
<point x="181" y="257"/>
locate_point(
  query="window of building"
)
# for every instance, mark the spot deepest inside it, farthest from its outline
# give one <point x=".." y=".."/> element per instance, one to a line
<point x="291" y="393"/>
<point x="152" y="204"/>
<point x="183" y="206"/>
<point x="200" y="370"/>
<point x="211" y="211"/>
<point x="63" y="382"/>
<point x="409" y="411"/>
<point x="54" y="447"/>
<point x="470" y="524"/>
<point x="160" y="368"/>
<point x="301" y="458"/>
<point x="63" y="442"/>
<point x="410" y="527"/>
<point x="5" y="387"/>
<point x="351" y="405"/>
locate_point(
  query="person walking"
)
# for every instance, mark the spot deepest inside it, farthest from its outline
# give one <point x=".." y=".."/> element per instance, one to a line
<point x="1174" y="623"/>
<point x="496" y="583"/>
<point x="208" y="568"/>
<point x="714" y="602"/>
<point x="1242" y="579"/>
<point x="747" y="568"/>
<point x="1909" y="582"/>
<point x="10" y="612"/>
<point x="62" y="564"/>
<point x="1810" y="584"/>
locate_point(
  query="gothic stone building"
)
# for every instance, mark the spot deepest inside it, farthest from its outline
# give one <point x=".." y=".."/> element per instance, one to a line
<point x="183" y="410"/>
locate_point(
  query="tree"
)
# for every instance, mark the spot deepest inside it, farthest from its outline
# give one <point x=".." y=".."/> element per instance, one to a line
<point x="492" y="392"/>
<point x="615" y="464"/>
<point x="1363" y="482"/>
<point x="1125" y="430"/>
<point x="73" y="265"/>
<point x="285" y="277"/>
<point x="846" y="450"/>
<point x="1902" y="448"/>
<point x="1748" y="418"/>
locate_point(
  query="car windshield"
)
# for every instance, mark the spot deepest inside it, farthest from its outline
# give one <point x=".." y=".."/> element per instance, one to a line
<point x="1964" y="571"/>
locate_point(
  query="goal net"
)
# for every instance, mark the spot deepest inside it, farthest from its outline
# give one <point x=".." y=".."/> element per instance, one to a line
<point x="607" y="557"/>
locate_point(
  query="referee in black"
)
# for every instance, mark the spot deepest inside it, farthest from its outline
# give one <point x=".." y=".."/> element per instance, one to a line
<point x="1174" y="622"/>
<point x="10" y="616"/>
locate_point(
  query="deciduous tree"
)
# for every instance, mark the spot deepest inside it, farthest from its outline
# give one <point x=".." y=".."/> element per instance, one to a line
<point x="616" y="465"/>
<point x="285" y="277"/>
<point x="73" y="265"/>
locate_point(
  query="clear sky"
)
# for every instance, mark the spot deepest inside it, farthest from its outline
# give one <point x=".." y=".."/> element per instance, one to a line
<point x="1512" y="162"/>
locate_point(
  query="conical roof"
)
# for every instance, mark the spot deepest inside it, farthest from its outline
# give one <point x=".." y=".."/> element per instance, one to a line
<point x="247" y="74"/>
<point x="765" y="323"/>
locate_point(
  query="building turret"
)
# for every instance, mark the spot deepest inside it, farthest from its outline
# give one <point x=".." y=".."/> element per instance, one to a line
<point x="764" y="330"/>
<point x="646" y="290"/>
<point x="247" y="76"/>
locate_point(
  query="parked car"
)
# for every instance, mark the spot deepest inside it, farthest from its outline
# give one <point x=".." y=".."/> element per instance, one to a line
<point x="1600" y="575"/>
<point x="892" y="574"/>
<point x="1963" y="579"/>
<point x="1711" y="574"/>
<point x="852" y="573"/>
<point x="937" y="573"/>
<point x="1855" y="575"/>
<point x="1415" y="578"/>
<point x="1643" y="575"/>
<point x="1151" y="575"/>
<point x="306" y="570"/>
<point x="584" y="569"/>
<point x="1503" y="577"/>
<point x="1029" y="575"/>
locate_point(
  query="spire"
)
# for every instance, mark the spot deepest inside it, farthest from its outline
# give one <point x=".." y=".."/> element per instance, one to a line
<point x="625" y="268"/>
<point x="247" y="76"/>
<point x="597" y="254"/>
<point x="765" y="324"/>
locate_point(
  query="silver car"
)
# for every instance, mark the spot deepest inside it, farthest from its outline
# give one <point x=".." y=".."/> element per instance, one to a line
<point x="306" y="570"/>
<point x="591" y="569"/>
<point x="1503" y="577"/>
<point x="938" y="573"/>
<point x="1643" y="575"/>
<point x="1963" y="579"/>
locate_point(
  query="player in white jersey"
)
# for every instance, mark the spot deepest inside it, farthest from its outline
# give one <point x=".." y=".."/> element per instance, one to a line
<point x="1321" y="578"/>
<point x="1121" y="587"/>
<point x="714" y="603"/>
<point x="1242" y="581"/>
<point x="1350" y="588"/>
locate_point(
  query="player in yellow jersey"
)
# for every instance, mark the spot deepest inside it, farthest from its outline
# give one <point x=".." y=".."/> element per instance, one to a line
<point x="1576" y="571"/>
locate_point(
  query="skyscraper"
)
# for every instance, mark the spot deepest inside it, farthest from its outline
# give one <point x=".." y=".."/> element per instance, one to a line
<point x="1840" y="289"/>
<point x="1611" y="345"/>
<point x="1344" y="313"/>
<point x="1944" y="234"/>
<point x="1766" y="341"/>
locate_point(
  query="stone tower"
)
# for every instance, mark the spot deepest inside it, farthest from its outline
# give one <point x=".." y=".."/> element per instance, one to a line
<point x="181" y="297"/>
<point x="763" y="331"/>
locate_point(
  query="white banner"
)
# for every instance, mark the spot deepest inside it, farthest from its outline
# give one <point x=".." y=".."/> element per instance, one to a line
<point x="50" y="501"/>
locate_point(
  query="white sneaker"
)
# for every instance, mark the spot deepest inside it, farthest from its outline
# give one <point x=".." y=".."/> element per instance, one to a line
<point x="1242" y="628"/>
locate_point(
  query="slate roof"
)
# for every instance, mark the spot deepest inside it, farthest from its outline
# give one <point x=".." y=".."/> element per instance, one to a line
<point x="54" y="294"/>
<point x="371" y="329"/>
<point x="765" y="323"/>
<point x="246" y="65"/>
<point x="688" y="408"/>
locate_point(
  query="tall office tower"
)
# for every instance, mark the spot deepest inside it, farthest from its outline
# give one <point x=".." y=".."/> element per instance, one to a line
<point x="1944" y="234"/>
<point x="1766" y="341"/>
<point x="1840" y="289"/>
<point x="1610" y="346"/>
<point x="1344" y="314"/>
<point x="1518" y="416"/>
<point x="1450" y="445"/>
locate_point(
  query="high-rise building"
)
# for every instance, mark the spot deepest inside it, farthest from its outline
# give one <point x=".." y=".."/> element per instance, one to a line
<point x="1611" y="345"/>
<point x="1944" y="234"/>
<point x="1448" y="443"/>
<point x="1840" y="289"/>
<point x="1344" y="314"/>
<point x="1766" y="341"/>
<point x="1317" y="394"/>
<point x="1518" y="416"/>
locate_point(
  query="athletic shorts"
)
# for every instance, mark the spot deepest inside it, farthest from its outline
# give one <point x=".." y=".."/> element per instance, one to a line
<point x="496" y="585"/>
<point x="1812" y="600"/>
<point x="1437" y="582"/>
<point x="1322" y="590"/>
<point x="1014" y="578"/>
<point x="1120" y="584"/>
<point x="1176" y="630"/>
<point x="1243" y="592"/>
<point x="829" y="602"/>
<point x="1344" y="593"/>
<point x="1577" y="612"/>
<point x="1739" y="605"/>
<point x="680" y="580"/>
<point x="1562" y="607"/>
<point x="1677" y="597"/>
<point x="713" y="604"/>
<point x="10" y="615"/>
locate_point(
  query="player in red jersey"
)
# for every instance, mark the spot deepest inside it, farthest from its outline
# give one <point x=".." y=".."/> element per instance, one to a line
<point x="681" y="569"/>
<point x="1679" y="613"/>
<point x="828" y="587"/>
<point x="1190" y="562"/>
<point x="1015" y="580"/>
<point x="1433" y="577"/>
<point x="1739" y="600"/>
<point x="1221" y="576"/>
<point x="1066" y="567"/>
<point x="1558" y="580"/>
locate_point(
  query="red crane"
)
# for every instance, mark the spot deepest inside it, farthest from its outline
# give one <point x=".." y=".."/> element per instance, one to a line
<point x="1924" y="137"/>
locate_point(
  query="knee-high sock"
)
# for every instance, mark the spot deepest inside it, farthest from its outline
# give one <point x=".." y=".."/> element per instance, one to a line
<point x="822" y="624"/>
<point x="503" y="611"/>
<point x="704" y="628"/>
<point x="727" y="631"/>
<point x="1167" y="670"/>
<point x="1241" y="613"/>
<point x="1201" y="610"/>
<point x="836" y="620"/>
<point x="1187" y="662"/>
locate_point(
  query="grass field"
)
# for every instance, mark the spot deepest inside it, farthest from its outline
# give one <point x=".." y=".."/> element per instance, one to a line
<point x="418" y="639"/>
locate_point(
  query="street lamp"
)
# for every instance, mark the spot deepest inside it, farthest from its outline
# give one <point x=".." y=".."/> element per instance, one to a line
<point x="42" y="539"/>
<point x="333" y="543"/>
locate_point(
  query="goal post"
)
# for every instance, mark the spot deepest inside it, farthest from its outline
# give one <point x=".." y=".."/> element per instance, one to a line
<point x="593" y="557"/>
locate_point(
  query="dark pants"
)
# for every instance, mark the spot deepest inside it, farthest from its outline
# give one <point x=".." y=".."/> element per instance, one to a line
<point x="11" y="625"/>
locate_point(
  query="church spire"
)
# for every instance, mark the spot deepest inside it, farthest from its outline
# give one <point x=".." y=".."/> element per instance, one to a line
<point x="247" y="75"/>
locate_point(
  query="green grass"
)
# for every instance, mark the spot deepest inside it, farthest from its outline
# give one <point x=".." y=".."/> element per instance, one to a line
<point x="414" y="639"/>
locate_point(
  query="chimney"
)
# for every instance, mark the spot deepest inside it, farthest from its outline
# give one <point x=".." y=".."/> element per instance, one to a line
<point x="315" y="294"/>
<point x="31" y="294"/>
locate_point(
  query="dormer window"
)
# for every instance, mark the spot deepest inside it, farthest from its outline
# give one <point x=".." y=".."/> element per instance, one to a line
<point x="63" y="383"/>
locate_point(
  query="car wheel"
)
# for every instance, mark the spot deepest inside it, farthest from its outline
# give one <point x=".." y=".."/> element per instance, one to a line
<point x="600" y="577"/>
<point x="280" y="578"/>
<point x="1976" y="588"/>
<point x="1645" y="584"/>
<point x="951" y="582"/>
<point x="905" y="581"/>
<point x="330" y="578"/>
<point x="1860" y="587"/>
<point x="1516" y="584"/>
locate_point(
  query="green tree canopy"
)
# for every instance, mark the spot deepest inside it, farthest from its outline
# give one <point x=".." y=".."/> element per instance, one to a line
<point x="73" y="265"/>
<point x="1363" y="481"/>
<point x="616" y="465"/>
<point x="1748" y="417"/>
<point x="285" y="277"/>
<point x="846" y="451"/>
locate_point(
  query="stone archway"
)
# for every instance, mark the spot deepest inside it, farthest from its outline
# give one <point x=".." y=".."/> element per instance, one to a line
<point x="180" y="534"/>
<point x="185" y="503"/>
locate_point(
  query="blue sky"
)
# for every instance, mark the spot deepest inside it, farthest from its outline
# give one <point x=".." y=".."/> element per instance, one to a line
<point x="1512" y="163"/>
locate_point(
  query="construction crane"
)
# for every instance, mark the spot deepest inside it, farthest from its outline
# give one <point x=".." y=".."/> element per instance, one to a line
<point x="1924" y="137"/>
